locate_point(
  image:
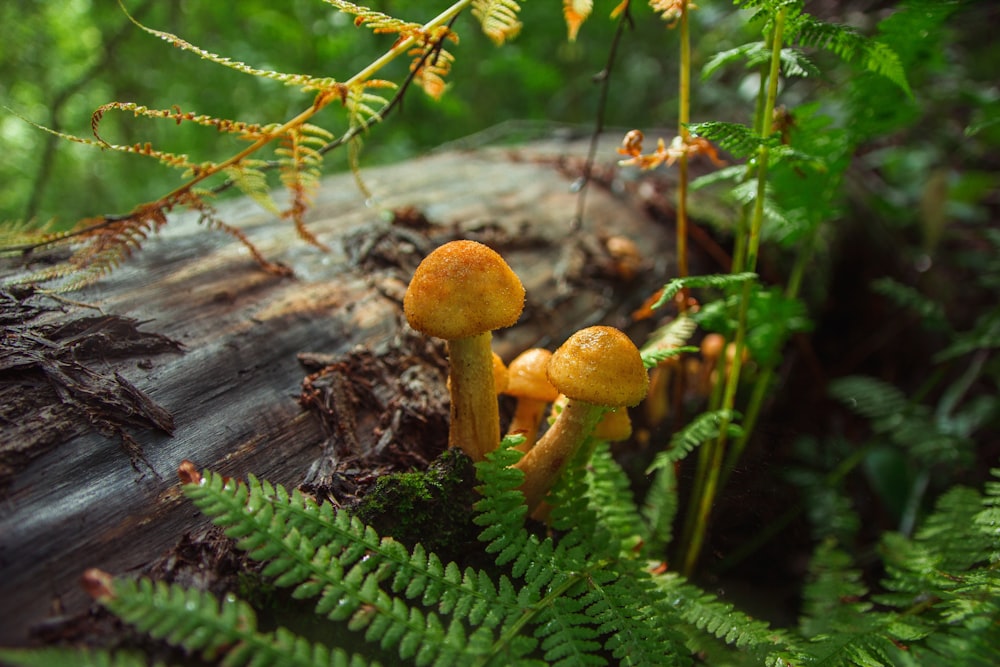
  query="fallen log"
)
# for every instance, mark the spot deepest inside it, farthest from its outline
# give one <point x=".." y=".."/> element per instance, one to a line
<point x="191" y="351"/>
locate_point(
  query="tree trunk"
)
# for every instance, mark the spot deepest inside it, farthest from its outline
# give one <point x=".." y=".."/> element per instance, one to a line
<point x="196" y="353"/>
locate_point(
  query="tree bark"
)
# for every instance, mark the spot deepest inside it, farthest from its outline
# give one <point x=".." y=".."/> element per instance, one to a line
<point x="196" y="353"/>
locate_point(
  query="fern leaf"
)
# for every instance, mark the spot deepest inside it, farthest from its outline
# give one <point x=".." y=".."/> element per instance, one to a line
<point x="251" y="180"/>
<point x="716" y="281"/>
<point x="198" y="622"/>
<point x="431" y="64"/>
<point x="170" y="159"/>
<point x="851" y="46"/>
<point x="300" y="161"/>
<point x="498" y="19"/>
<point x="67" y="657"/>
<point x="702" y="428"/>
<point x="305" y="82"/>
<point x="755" y="54"/>
<point x="705" y="612"/>
<point x="576" y="12"/>
<point x="834" y="597"/>
<point x="659" y="508"/>
<point x="324" y="553"/>
<point x="740" y="140"/>
<point x="376" y="21"/>
<point x="668" y="341"/>
<point x="610" y="496"/>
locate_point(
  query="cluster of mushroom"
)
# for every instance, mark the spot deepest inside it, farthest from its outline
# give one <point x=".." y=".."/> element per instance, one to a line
<point x="462" y="292"/>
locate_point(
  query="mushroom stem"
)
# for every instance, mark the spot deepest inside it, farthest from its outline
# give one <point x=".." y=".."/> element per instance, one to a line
<point x="545" y="461"/>
<point x="527" y="417"/>
<point x="475" y="416"/>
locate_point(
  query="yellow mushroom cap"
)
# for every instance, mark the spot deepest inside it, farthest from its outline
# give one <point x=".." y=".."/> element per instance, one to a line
<point x="615" y="426"/>
<point x="599" y="365"/>
<point x="463" y="289"/>
<point x="528" y="378"/>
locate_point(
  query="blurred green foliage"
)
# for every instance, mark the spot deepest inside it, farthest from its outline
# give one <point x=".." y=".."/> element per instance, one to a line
<point x="61" y="61"/>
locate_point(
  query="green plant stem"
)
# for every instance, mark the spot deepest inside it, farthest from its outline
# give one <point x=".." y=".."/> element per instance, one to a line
<point x="515" y="628"/>
<point x="717" y="448"/>
<point x="763" y="383"/>
<point x="683" y="118"/>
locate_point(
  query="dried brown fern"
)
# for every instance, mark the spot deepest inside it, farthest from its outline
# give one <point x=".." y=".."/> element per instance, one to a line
<point x="100" y="244"/>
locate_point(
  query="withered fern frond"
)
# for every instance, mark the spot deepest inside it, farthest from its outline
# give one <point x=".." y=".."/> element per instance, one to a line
<point x="498" y="19"/>
<point x="300" y="162"/>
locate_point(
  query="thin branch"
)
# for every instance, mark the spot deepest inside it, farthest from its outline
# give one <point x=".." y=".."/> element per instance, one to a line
<point x="604" y="78"/>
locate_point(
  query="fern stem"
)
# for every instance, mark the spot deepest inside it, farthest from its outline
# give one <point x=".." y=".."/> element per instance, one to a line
<point x="322" y="99"/>
<point x="513" y="630"/>
<point x="683" y="118"/>
<point x="716" y="457"/>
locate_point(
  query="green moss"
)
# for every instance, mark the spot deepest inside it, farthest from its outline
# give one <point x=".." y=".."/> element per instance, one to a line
<point x="433" y="507"/>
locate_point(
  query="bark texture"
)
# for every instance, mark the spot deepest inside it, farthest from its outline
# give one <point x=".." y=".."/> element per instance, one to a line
<point x="193" y="352"/>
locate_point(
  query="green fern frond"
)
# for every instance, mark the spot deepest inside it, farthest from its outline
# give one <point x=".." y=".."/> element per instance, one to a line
<point x="305" y="82"/>
<point x="869" y="397"/>
<point x="324" y="553"/>
<point x="909" y="426"/>
<point x="198" y="622"/>
<point x="249" y="178"/>
<point x="659" y="508"/>
<point x="702" y="612"/>
<point x="740" y="140"/>
<point x="66" y="657"/>
<point x="851" y="46"/>
<point x="609" y="493"/>
<point x="668" y="341"/>
<point x="501" y="510"/>
<point x="701" y="429"/>
<point x="984" y="335"/>
<point x="735" y="173"/>
<point x="755" y="54"/>
<point x="834" y="596"/>
<point x="498" y="19"/>
<point x="715" y="281"/>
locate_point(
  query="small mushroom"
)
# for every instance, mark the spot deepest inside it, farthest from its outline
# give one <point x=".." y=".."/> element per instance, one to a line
<point x="530" y="385"/>
<point x="596" y="368"/>
<point x="461" y="292"/>
<point x="712" y="346"/>
<point x="614" y="426"/>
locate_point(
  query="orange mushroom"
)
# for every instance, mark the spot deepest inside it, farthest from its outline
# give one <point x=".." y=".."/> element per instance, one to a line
<point x="596" y="368"/>
<point x="461" y="292"/>
<point x="530" y="385"/>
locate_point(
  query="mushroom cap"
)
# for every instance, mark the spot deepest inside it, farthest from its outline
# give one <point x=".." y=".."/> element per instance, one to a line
<point x="528" y="377"/>
<point x="711" y="346"/>
<point x="615" y="426"/>
<point x="599" y="365"/>
<point x="463" y="289"/>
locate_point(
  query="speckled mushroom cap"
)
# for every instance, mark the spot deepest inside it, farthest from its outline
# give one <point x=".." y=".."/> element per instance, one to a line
<point x="528" y="377"/>
<point x="599" y="365"/>
<point x="463" y="289"/>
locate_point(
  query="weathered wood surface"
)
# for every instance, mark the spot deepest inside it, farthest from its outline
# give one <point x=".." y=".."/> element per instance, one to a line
<point x="232" y="390"/>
